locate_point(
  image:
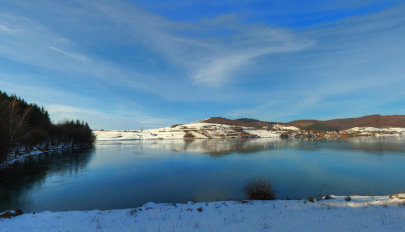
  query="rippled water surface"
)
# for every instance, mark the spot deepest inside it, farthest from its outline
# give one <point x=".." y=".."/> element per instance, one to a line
<point x="130" y="173"/>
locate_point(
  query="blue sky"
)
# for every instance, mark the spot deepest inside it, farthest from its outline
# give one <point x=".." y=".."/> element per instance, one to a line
<point x="118" y="64"/>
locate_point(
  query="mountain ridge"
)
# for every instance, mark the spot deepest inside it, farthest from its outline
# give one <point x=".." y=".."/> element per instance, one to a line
<point x="374" y="120"/>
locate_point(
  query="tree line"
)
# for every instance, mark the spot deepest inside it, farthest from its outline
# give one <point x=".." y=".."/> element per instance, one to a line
<point x="24" y="126"/>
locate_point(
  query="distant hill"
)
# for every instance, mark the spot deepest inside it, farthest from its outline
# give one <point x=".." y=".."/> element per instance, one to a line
<point x="256" y="123"/>
<point x="226" y="121"/>
<point x="246" y="122"/>
<point x="347" y="123"/>
<point x="389" y="121"/>
<point x="375" y="120"/>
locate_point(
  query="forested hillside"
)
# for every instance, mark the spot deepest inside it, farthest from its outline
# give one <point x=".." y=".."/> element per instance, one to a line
<point x="24" y="126"/>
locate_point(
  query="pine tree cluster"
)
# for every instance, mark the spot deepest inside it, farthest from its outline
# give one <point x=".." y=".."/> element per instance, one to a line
<point x="24" y="125"/>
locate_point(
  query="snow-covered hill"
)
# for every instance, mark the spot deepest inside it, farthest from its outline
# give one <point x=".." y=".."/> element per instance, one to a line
<point x="196" y="130"/>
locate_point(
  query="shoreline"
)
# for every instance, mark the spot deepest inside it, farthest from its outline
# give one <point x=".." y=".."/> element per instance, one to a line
<point x="361" y="213"/>
<point x="37" y="151"/>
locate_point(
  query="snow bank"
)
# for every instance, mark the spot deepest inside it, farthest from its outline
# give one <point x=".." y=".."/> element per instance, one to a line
<point x="359" y="214"/>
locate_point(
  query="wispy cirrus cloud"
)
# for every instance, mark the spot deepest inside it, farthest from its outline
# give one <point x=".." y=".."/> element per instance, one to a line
<point x="119" y="54"/>
<point x="354" y="69"/>
<point x="65" y="105"/>
<point x="79" y="57"/>
<point x="5" y="29"/>
<point x="33" y="43"/>
<point x="30" y="41"/>
<point x="198" y="56"/>
<point x="207" y="58"/>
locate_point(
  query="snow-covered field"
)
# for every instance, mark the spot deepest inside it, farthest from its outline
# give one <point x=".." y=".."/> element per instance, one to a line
<point x="373" y="129"/>
<point x="378" y="132"/>
<point x="202" y="130"/>
<point x="284" y="127"/>
<point x="360" y="214"/>
<point x="199" y="130"/>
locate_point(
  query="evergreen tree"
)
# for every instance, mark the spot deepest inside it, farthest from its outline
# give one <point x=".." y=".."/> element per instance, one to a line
<point x="28" y="125"/>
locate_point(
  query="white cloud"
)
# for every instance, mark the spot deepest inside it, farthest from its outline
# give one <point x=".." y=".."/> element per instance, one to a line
<point x="5" y="29"/>
<point x="224" y="60"/>
<point x="35" y="44"/>
<point x="54" y="108"/>
<point x="102" y="120"/>
<point x="79" y="57"/>
<point x="65" y="105"/>
<point x="202" y="58"/>
<point x="208" y="59"/>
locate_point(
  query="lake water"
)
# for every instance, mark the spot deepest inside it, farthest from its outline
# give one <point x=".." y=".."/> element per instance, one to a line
<point x="125" y="174"/>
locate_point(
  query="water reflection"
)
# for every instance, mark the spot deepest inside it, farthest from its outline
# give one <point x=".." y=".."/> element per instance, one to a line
<point x="379" y="145"/>
<point x="130" y="173"/>
<point x="17" y="181"/>
<point x="226" y="146"/>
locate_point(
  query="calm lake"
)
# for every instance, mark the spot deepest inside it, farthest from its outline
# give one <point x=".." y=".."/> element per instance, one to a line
<point x="125" y="174"/>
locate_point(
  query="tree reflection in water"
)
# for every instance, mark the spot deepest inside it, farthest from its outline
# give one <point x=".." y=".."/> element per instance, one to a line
<point x="123" y="174"/>
<point x="16" y="180"/>
<point x="222" y="147"/>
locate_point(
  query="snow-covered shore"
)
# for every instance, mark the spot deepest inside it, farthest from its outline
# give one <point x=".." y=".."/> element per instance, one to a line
<point x="361" y="213"/>
<point x="35" y="151"/>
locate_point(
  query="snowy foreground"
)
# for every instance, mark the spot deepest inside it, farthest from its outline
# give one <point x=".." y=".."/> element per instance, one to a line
<point x="359" y="214"/>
